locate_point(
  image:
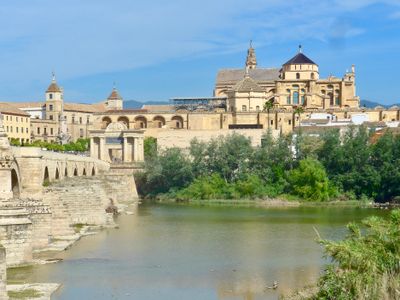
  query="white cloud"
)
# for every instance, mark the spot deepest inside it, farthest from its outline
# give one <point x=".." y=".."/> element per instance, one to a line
<point x="78" y="38"/>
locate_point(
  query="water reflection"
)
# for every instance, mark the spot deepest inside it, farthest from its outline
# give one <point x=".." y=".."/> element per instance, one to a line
<point x="183" y="252"/>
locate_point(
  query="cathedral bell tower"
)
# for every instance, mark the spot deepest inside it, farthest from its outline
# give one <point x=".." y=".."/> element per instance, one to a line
<point x="251" y="60"/>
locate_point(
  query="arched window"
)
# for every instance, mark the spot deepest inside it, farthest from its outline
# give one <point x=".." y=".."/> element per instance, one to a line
<point x="297" y="75"/>
<point x="244" y="108"/>
<point x="312" y="76"/>
<point x="257" y="108"/>
<point x="323" y="92"/>
<point x="337" y="100"/>
<point x="288" y="98"/>
<point x="331" y="99"/>
<point x="296" y="97"/>
<point x="303" y="99"/>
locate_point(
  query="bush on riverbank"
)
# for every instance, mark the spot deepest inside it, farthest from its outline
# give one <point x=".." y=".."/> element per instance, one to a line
<point x="312" y="168"/>
<point x="366" y="264"/>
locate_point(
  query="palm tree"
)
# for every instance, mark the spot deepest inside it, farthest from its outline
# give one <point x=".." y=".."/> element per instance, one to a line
<point x="268" y="105"/>
<point x="298" y="111"/>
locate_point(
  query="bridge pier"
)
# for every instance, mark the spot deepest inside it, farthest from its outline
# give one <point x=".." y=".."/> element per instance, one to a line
<point x="5" y="180"/>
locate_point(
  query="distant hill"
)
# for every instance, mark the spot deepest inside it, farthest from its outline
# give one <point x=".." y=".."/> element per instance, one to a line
<point x="134" y="104"/>
<point x="372" y="104"/>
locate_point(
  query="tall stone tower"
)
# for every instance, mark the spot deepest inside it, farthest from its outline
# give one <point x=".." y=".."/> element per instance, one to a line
<point x="54" y="101"/>
<point x="114" y="101"/>
<point x="251" y="60"/>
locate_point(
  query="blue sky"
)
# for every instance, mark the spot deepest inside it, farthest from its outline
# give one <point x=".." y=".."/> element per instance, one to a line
<point x="158" y="49"/>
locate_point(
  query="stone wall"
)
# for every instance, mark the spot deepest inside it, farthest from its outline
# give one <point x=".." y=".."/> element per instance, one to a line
<point x="16" y="235"/>
<point x="3" y="273"/>
<point x="181" y="138"/>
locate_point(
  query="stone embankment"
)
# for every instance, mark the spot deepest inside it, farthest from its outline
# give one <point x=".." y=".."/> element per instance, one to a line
<point x="53" y="221"/>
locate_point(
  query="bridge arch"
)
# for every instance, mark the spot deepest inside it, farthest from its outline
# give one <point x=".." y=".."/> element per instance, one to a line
<point x="93" y="171"/>
<point x="66" y="172"/>
<point x="84" y="172"/>
<point x="76" y="171"/>
<point x="57" y="175"/>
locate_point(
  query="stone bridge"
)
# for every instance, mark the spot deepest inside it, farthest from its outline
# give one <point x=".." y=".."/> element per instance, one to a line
<point x="24" y="171"/>
<point x="44" y="195"/>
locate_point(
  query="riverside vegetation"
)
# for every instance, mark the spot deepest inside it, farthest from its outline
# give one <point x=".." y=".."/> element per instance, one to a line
<point x="308" y="168"/>
<point x="366" y="264"/>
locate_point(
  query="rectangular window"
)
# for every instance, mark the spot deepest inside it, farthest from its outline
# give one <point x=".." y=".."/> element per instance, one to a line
<point x="288" y="99"/>
<point x="337" y="101"/>
<point x="16" y="119"/>
<point x="7" y="129"/>
<point x="290" y="122"/>
<point x="45" y="130"/>
<point x="10" y="128"/>
<point x="16" y="129"/>
<point x="51" y="107"/>
<point x="7" y="118"/>
<point x="22" y="129"/>
<point x="26" y="129"/>
<point x="51" y="131"/>
<point x="80" y="120"/>
<point x="38" y="130"/>
<point x="51" y="117"/>
<point x="81" y="132"/>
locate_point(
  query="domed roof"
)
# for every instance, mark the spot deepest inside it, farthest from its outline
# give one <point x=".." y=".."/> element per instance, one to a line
<point x="299" y="59"/>
<point x="53" y="87"/>
<point x="247" y="84"/>
<point x="394" y="107"/>
<point x="114" y="95"/>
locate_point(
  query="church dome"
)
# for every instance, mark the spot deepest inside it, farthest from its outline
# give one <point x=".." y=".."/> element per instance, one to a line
<point x="299" y="59"/>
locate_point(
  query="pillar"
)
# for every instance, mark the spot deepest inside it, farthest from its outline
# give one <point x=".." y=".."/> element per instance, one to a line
<point x="92" y="148"/>
<point x="102" y="149"/>
<point x="135" y="149"/>
<point x="125" y="154"/>
<point x="3" y="273"/>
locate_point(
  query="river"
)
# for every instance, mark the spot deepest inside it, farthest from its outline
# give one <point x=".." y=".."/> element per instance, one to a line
<point x="197" y="253"/>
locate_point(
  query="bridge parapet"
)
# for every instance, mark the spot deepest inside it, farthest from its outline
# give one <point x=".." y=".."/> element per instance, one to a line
<point x="28" y="169"/>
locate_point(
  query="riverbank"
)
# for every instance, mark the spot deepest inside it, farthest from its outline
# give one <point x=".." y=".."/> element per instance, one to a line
<point x="270" y="203"/>
<point x="18" y="288"/>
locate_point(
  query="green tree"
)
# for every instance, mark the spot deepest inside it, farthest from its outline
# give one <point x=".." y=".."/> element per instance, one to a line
<point x="310" y="181"/>
<point x="150" y="147"/>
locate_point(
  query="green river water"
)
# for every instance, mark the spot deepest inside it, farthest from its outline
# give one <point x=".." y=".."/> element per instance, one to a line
<point x="198" y="253"/>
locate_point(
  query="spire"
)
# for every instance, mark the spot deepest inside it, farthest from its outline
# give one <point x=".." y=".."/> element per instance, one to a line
<point x="53" y="87"/>
<point x="300" y="49"/>
<point x="114" y="94"/>
<point x="251" y="60"/>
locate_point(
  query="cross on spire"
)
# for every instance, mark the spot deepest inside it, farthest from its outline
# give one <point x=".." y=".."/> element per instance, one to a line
<point x="300" y="49"/>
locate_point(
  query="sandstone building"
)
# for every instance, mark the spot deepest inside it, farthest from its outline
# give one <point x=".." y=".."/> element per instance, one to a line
<point x="238" y="103"/>
<point x="16" y="123"/>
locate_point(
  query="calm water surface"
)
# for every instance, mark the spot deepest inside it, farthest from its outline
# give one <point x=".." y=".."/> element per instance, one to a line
<point x="198" y="253"/>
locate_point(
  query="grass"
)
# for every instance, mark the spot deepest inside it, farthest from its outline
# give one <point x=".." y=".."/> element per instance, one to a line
<point x="24" y="294"/>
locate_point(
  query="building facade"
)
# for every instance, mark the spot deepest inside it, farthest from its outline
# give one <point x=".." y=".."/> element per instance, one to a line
<point x="296" y="83"/>
<point x="16" y="123"/>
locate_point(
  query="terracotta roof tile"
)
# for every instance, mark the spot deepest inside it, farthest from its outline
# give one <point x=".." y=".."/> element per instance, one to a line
<point x="6" y="108"/>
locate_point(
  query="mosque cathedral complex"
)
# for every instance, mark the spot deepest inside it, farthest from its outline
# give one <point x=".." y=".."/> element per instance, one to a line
<point x="248" y="100"/>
